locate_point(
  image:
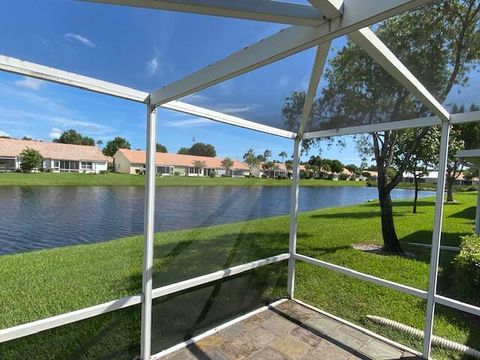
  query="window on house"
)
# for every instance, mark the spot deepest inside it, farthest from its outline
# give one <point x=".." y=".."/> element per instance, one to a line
<point x="193" y="170"/>
<point x="164" y="170"/>
<point x="7" y="164"/>
<point x="87" y="166"/>
<point x="69" y="165"/>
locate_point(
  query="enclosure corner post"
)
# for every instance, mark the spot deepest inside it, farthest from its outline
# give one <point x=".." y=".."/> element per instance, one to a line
<point x="149" y="223"/>
<point x="292" y="248"/>
<point x="436" y="239"/>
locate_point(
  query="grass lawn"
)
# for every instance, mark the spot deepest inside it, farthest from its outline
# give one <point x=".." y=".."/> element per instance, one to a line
<point x="43" y="283"/>
<point x="113" y="179"/>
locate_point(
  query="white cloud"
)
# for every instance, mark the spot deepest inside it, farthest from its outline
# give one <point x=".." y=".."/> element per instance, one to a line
<point x="152" y="65"/>
<point x="237" y="109"/>
<point x="29" y="83"/>
<point x="3" y="133"/>
<point x="82" y="39"/>
<point x="194" y="122"/>
<point x="55" y="133"/>
<point x="86" y="125"/>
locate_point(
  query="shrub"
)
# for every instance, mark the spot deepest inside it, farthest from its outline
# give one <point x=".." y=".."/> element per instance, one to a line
<point x="31" y="159"/>
<point x="467" y="269"/>
<point x="176" y="173"/>
<point x="104" y="172"/>
<point x="212" y="174"/>
<point x="342" y="176"/>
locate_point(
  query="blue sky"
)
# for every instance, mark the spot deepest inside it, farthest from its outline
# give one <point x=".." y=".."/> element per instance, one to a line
<point x="144" y="49"/>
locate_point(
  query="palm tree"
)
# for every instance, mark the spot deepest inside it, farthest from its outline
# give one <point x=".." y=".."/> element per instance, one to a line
<point x="283" y="155"/>
<point x="99" y="143"/>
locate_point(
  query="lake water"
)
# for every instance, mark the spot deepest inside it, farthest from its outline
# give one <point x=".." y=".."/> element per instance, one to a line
<point x="44" y="217"/>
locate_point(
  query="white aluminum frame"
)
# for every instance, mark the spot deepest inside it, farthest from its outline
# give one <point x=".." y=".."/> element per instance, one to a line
<point x="348" y="17"/>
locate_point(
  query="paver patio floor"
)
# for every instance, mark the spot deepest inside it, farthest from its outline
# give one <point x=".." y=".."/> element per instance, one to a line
<point x="290" y="331"/>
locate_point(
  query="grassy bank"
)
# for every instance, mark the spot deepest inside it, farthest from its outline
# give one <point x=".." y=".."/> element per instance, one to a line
<point x="113" y="179"/>
<point x="44" y="283"/>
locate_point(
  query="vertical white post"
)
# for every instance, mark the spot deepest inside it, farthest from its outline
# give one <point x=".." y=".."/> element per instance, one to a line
<point x="149" y="222"/>
<point x="292" y="248"/>
<point x="477" y="213"/>
<point x="436" y="237"/>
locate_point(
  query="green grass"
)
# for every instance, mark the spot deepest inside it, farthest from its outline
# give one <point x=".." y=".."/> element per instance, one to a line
<point x="43" y="283"/>
<point x="113" y="179"/>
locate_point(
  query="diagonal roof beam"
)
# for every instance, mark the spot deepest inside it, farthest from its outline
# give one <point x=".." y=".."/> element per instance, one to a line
<point x="227" y="119"/>
<point x="318" y="65"/>
<point x="373" y="46"/>
<point x="284" y="43"/>
<point x="260" y="10"/>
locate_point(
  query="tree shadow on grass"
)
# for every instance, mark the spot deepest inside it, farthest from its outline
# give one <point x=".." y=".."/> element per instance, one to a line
<point x="425" y="237"/>
<point x="467" y="213"/>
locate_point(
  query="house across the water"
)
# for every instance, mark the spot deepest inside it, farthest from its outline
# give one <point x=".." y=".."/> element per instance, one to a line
<point x="133" y="162"/>
<point x="56" y="157"/>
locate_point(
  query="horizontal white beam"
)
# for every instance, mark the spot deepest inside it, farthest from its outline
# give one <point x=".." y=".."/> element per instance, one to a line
<point x="67" y="318"/>
<point x="294" y="39"/>
<point x="225" y="273"/>
<point x="461" y="118"/>
<point x="226" y="119"/>
<point x="362" y="129"/>
<point x="459" y="305"/>
<point x="358" y="275"/>
<point x="374" y="47"/>
<point x="41" y="72"/>
<point x="261" y="10"/>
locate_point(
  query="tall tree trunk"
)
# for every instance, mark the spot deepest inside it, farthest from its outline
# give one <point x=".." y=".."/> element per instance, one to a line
<point x="415" y="197"/>
<point x="390" y="238"/>
<point x="449" y="184"/>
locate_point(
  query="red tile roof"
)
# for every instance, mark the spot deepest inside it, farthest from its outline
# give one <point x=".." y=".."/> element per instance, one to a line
<point x="168" y="159"/>
<point x="13" y="148"/>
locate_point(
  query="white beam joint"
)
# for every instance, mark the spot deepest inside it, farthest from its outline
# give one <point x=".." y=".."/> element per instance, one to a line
<point x="331" y="8"/>
<point x="294" y="39"/>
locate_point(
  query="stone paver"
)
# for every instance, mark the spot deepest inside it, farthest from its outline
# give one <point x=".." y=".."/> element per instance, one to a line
<point x="291" y="346"/>
<point x="290" y="331"/>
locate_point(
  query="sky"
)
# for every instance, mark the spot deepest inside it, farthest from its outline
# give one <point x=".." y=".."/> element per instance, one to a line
<point x="144" y="49"/>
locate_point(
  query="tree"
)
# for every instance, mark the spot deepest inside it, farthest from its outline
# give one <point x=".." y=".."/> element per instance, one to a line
<point x="30" y="159"/>
<point x="283" y="155"/>
<point x="161" y="148"/>
<point x="71" y="136"/>
<point x="251" y="159"/>
<point x="421" y="160"/>
<point x="183" y="151"/>
<point x="441" y="50"/>
<point x="27" y="138"/>
<point x="201" y="149"/>
<point x="336" y="166"/>
<point x="99" y="143"/>
<point x="199" y="165"/>
<point x="267" y="154"/>
<point x="113" y="145"/>
<point x="227" y="164"/>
